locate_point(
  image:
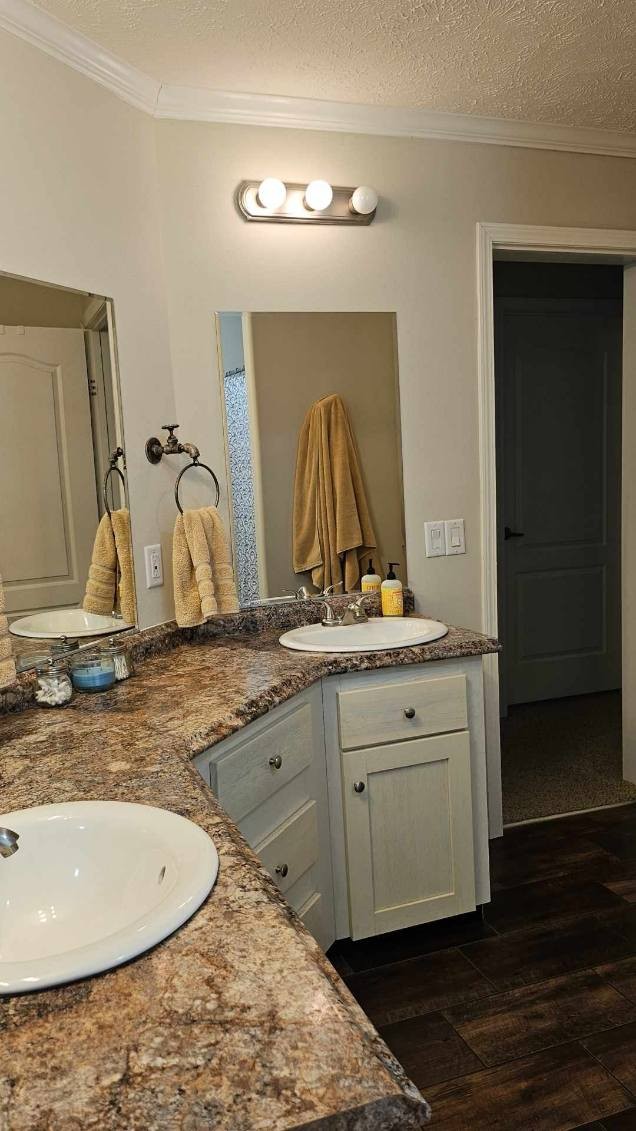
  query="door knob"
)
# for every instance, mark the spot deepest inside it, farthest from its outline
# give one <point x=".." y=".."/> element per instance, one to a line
<point x="276" y="762"/>
<point x="508" y="533"/>
<point x="281" y="869"/>
<point x="409" y="712"/>
<point x="358" y="786"/>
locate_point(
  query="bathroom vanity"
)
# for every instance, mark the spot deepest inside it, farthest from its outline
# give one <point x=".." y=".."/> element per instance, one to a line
<point x="238" y="1019"/>
<point x="365" y="797"/>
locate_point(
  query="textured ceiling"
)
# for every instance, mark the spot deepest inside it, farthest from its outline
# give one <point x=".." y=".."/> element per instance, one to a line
<point x="559" y="61"/>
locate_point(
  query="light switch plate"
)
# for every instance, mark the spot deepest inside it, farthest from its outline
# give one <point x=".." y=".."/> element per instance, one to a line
<point x="154" y="566"/>
<point x="455" y="538"/>
<point x="434" y="539"/>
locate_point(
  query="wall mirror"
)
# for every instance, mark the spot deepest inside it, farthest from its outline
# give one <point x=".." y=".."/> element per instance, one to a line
<point x="313" y="448"/>
<point x="65" y="549"/>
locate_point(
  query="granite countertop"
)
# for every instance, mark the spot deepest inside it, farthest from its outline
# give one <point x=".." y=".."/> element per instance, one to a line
<point x="238" y="1021"/>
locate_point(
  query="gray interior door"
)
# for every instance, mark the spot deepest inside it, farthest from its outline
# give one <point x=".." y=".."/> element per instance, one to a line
<point x="559" y="419"/>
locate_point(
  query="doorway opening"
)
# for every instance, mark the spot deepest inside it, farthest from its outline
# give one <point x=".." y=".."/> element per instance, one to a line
<point x="558" y="332"/>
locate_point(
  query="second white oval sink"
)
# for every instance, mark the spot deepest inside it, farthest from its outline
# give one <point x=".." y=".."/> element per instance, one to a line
<point x="66" y="622"/>
<point x="374" y="635"/>
<point x="92" y="884"/>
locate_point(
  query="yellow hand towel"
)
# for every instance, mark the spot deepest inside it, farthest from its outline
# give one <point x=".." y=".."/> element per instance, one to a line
<point x="331" y="519"/>
<point x="125" y="603"/>
<point x="110" y="584"/>
<point x="7" y="662"/>
<point x="101" y="586"/>
<point x="202" y="568"/>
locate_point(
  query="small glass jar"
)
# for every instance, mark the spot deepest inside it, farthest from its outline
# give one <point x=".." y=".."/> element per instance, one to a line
<point x="122" y="658"/>
<point x="93" y="673"/>
<point x="54" y="687"/>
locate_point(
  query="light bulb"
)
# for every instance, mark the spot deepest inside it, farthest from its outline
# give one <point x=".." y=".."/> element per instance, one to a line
<point x="271" y="193"/>
<point x="364" y="200"/>
<point x="318" y="195"/>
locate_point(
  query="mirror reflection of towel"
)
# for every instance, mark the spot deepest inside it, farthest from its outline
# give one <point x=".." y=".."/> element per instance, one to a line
<point x="7" y="663"/>
<point x="331" y="519"/>
<point x="201" y="567"/>
<point x="110" y="586"/>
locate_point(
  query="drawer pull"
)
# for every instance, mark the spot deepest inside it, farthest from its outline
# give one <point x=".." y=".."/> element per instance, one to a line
<point x="358" y="786"/>
<point x="276" y="762"/>
<point x="281" y="870"/>
<point x="409" y="712"/>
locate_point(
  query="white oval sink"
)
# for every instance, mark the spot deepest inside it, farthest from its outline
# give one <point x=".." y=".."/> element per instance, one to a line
<point x="66" y="622"/>
<point x="374" y="635"/>
<point x="92" y="884"/>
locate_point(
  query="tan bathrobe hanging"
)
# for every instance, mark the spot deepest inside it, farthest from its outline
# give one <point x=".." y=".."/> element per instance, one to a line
<point x="110" y="586"/>
<point x="331" y="516"/>
<point x="7" y="663"/>
<point x="202" y="570"/>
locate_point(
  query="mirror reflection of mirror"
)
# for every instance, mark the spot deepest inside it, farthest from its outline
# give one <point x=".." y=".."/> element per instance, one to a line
<point x="65" y="548"/>
<point x="313" y="449"/>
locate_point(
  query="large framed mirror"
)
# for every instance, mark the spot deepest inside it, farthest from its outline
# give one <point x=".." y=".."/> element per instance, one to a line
<point x="65" y="543"/>
<point x="311" y="414"/>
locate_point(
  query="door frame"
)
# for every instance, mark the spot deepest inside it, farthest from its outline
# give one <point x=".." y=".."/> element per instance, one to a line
<point x="568" y="244"/>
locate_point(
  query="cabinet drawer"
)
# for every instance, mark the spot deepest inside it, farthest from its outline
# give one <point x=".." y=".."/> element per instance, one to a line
<point x="408" y="709"/>
<point x="257" y="769"/>
<point x="292" y="848"/>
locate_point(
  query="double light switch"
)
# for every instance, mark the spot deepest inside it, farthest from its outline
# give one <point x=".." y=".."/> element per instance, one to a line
<point x="444" y="537"/>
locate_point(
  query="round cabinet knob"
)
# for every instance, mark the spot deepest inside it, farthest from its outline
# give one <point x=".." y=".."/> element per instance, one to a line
<point x="281" y="869"/>
<point x="409" y="712"/>
<point x="276" y="762"/>
<point x="358" y="786"/>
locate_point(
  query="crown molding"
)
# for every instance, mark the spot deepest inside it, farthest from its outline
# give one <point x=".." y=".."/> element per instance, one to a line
<point x="71" y="47"/>
<point x="197" y="104"/>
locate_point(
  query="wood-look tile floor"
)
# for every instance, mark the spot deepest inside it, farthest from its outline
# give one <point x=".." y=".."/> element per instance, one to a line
<point x="525" y="1019"/>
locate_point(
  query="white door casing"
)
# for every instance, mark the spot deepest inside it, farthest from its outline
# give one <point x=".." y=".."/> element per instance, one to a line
<point x="47" y="486"/>
<point x="609" y="245"/>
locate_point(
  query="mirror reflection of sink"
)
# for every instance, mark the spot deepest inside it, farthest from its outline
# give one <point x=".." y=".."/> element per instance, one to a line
<point x="92" y="884"/>
<point x="66" y="622"/>
<point x="375" y="635"/>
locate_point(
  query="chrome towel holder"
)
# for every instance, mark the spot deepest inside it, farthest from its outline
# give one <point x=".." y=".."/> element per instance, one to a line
<point x="155" y="451"/>
<point x="114" y="456"/>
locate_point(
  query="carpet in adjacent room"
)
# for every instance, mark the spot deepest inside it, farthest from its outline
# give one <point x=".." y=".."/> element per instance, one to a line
<point x="562" y="755"/>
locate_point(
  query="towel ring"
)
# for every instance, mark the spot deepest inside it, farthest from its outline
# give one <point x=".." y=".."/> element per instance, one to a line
<point x="195" y="463"/>
<point x="113" y="467"/>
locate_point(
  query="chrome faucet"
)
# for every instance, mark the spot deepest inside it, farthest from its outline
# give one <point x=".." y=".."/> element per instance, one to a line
<point x="355" y="613"/>
<point x="8" y="842"/>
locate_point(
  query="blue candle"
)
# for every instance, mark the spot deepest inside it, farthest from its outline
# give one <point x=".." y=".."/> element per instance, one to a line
<point x="93" y="674"/>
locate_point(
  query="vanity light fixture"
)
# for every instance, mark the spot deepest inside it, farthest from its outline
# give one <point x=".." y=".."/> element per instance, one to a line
<point x="271" y="193"/>
<point x="317" y="202"/>
<point x="364" y="200"/>
<point x="318" y="196"/>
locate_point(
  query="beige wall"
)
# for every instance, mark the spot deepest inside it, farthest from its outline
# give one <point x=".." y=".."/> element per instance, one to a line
<point x="417" y="258"/>
<point x="299" y="358"/>
<point x="79" y="208"/>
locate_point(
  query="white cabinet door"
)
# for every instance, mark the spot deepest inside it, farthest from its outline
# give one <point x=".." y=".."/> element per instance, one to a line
<point x="409" y="833"/>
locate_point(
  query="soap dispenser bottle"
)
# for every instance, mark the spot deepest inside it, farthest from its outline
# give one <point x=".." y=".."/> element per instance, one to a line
<point x="392" y="594"/>
<point x="371" y="581"/>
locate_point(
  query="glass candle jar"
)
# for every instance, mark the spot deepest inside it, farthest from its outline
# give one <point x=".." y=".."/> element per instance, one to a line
<point x="54" y="687"/>
<point x="121" y="657"/>
<point x="93" y="673"/>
